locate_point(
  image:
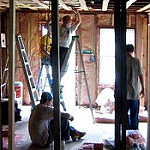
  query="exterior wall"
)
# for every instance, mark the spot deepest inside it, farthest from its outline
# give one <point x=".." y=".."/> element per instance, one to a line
<point x="87" y="33"/>
<point x="28" y="25"/>
<point x="28" y="28"/>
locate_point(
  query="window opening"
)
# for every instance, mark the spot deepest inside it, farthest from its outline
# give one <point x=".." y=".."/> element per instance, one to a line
<point x="107" y="54"/>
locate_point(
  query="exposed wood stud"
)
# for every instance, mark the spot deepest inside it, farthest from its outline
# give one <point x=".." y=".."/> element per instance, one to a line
<point x="11" y="102"/>
<point x="129" y="20"/>
<point x="112" y="20"/>
<point x="148" y="126"/>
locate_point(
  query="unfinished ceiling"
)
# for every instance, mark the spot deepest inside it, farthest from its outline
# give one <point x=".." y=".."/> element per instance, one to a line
<point x="84" y="5"/>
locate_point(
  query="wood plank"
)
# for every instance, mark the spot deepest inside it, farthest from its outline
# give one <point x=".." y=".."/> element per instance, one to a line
<point x="129" y="3"/>
<point x="83" y="5"/>
<point x="22" y="5"/>
<point x="1" y="138"/>
<point x="148" y="129"/>
<point x="41" y="4"/>
<point x="144" y="8"/>
<point x="11" y="118"/>
<point x="105" y="5"/>
<point x="63" y="5"/>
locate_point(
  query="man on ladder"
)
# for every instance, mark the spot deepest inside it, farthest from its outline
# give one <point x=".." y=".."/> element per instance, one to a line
<point x="45" y="47"/>
<point x="65" y="33"/>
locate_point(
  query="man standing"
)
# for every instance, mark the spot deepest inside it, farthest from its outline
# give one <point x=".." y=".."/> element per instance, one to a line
<point x="65" y="33"/>
<point x="134" y="72"/>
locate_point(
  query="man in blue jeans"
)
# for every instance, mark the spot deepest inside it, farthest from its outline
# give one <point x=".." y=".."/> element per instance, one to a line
<point x="134" y="73"/>
<point x="41" y="124"/>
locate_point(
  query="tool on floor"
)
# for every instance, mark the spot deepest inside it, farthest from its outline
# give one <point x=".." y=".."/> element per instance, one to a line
<point x="76" y="38"/>
<point x="27" y="71"/>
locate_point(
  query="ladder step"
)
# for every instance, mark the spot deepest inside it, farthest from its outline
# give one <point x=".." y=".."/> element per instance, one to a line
<point x="3" y="84"/>
<point x="6" y="69"/>
<point x="79" y="71"/>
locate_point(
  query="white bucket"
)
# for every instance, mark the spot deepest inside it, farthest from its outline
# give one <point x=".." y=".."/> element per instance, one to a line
<point x="18" y="87"/>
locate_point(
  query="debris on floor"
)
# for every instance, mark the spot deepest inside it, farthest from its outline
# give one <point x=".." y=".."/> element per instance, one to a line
<point x="91" y="146"/>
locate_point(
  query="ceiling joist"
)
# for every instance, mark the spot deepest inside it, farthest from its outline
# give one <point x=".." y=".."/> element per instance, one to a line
<point x="22" y="5"/>
<point x="63" y="5"/>
<point x="105" y="5"/>
<point x="41" y="4"/>
<point x="83" y="5"/>
<point x="129" y="3"/>
<point x="144" y="8"/>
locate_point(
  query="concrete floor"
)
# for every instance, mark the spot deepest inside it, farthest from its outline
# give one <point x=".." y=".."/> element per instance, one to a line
<point x="83" y="122"/>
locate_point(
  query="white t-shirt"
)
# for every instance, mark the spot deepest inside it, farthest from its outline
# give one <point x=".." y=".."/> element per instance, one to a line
<point x="65" y="35"/>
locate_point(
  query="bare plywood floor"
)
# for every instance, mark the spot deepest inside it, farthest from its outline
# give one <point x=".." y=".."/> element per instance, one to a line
<point x="83" y="122"/>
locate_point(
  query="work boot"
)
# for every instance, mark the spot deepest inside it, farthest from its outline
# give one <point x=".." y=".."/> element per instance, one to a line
<point x="76" y="135"/>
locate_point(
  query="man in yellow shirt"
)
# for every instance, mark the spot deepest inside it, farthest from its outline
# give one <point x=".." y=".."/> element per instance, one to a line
<point x="45" y="48"/>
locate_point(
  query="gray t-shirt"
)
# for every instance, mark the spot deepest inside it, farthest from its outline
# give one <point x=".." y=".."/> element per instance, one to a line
<point x="65" y="35"/>
<point x="134" y="70"/>
<point x="39" y="124"/>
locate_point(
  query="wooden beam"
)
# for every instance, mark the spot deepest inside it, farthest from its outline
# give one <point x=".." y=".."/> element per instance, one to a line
<point x="83" y="5"/>
<point x="24" y="5"/>
<point x="105" y="5"/>
<point x="129" y="3"/>
<point x="144" y="8"/>
<point x="148" y="125"/>
<point x="56" y="75"/>
<point x="63" y="5"/>
<point x="1" y="138"/>
<point x="148" y="11"/>
<point x="41" y="4"/>
<point x="11" y="102"/>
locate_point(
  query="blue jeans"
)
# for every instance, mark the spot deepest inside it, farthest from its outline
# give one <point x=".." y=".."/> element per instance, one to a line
<point x="132" y="118"/>
<point x="66" y="129"/>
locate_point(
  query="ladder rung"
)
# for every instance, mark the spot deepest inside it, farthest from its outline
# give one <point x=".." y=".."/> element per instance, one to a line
<point x="6" y="69"/>
<point x="79" y="71"/>
<point x="3" y="84"/>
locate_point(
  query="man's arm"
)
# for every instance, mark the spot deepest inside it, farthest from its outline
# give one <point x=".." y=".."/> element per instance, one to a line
<point x="43" y="50"/>
<point x="142" y="85"/>
<point x="78" y="18"/>
<point x="67" y="116"/>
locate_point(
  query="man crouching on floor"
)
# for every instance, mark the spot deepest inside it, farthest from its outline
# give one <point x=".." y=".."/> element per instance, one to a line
<point x="41" y="123"/>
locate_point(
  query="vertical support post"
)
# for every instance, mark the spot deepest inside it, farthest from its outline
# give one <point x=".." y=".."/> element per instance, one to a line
<point x="120" y="71"/>
<point x="148" y="126"/>
<point x="123" y="75"/>
<point x="56" y="75"/>
<point x="1" y="138"/>
<point x="11" y="73"/>
<point x="117" y="24"/>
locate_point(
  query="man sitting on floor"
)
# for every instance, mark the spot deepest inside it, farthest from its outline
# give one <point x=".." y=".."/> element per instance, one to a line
<point x="41" y="124"/>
